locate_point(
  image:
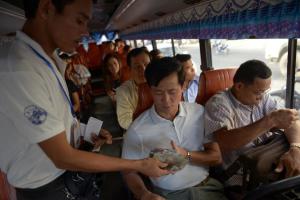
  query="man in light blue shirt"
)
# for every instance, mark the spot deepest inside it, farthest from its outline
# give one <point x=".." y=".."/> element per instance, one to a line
<point x="191" y="82"/>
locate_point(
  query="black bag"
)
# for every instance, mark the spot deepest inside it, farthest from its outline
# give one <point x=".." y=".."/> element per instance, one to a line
<point x="83" y="185"/>
<point x="257" y="164"/>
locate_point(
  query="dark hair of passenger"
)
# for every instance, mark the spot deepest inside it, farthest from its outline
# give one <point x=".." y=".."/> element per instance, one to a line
<point x="136" y="52"/>
<point x="31" y="6"/>
<point x="250" y="70"/>
<point x="182" y="57"/>
<point x="126" y="48"/>
<point x="155" y="54"/>
<point x="118" y="40"/>
<point x="157" y="70"/>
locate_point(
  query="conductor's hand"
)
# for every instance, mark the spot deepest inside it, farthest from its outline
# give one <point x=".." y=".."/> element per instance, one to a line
<point x="153" y="167"/>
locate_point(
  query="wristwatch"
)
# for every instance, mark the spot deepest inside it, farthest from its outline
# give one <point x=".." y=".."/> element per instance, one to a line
<point x="189" y="156"/>
<point x="295" y="145"/>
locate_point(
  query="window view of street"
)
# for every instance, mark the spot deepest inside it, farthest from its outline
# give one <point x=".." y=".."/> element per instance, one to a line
<point x="231" y="53"/>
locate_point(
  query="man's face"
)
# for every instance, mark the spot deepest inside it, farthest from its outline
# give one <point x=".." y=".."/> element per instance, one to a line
<point x="167" y="95"/>
<point x="189" y="70"/>
<point x="66" y="29"/>
<point x="252" y="94"/>
<point x="138" y="66"/>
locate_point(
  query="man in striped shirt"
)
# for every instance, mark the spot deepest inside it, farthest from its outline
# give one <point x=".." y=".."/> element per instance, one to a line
<point x="241" y="117"/>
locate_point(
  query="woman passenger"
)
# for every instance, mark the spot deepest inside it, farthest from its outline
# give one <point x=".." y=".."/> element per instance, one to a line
<point x="111" y="69"/>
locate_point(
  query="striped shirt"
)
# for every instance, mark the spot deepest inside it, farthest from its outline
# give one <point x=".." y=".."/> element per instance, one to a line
<point x="224" y="110"/>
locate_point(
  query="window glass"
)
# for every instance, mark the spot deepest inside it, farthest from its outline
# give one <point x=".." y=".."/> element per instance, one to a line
<point x="189" y="46"/>
<point x="232" y="53"/>
<point x="148" y="44"/>
<point x="131" y="43"/>
<point x="165" y="46"/>
<point x="139" y="43"/>
<point x="297" y="79"/>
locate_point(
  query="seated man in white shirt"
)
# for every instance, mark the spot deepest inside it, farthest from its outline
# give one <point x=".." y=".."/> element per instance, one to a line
<point x="245" y="113"/>
<point x="172" y="124"/>
<point x="191" y="82"/>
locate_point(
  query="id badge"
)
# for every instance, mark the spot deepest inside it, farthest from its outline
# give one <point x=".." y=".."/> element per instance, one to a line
<point x="75" y="133"/>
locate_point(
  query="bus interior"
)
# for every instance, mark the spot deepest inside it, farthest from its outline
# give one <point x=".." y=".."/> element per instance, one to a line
<point x="218" y="34"/>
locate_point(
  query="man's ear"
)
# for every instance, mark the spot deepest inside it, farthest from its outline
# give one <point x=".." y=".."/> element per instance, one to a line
<point x="239" y="86"/>
<point x="45" y="9"/>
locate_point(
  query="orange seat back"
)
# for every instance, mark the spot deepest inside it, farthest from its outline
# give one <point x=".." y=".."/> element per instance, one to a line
<point x="145" y="100"/>
<point x="214" y="81"/>
<point x="7" y="192"/>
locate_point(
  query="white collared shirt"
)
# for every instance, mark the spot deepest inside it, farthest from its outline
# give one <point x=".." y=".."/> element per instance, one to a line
<point x="33" y="109"/>
<point x="150" y="131"/>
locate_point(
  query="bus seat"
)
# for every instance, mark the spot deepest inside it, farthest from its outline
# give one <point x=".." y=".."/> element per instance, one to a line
<point x="213" y="81"/>
<point x="94" y="56"/>
<point x="145" y="100"/>
<point x="7" y="192"/>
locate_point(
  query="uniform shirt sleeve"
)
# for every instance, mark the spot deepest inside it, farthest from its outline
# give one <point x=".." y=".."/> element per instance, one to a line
<point x="216" y="116"/>
<point x="28" y="104"/>
<point x="124" y="108"/>
<point x="132" y="146"/>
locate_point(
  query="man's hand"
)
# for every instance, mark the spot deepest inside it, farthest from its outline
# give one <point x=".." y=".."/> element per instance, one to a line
<point x="179" y="149"/>
<point x="153" y="167"/>
<point x="290" y="161"/>
<point x="284" y="118"/>
<point x="103" y="137"/>
<point x="151" y="196"/>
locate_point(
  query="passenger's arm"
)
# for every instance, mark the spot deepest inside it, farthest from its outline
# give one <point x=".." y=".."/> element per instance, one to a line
<point x="138" y="188"/>
<point x="124" y="109"/>
<point x="282" y="119"/>
<point x="241" y="136"/>
<point x="210" y="156"/>
<point x="66" y="157"/>
<point x="291" y="159"/>
<point x="76" y="101"/>
<point x="111" y="94"/>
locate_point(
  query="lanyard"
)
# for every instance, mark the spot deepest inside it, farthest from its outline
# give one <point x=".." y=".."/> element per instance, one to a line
<point x="59" y="83"/>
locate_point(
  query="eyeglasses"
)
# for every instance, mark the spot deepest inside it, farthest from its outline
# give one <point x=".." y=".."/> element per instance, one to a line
<point x="261" y="93"/>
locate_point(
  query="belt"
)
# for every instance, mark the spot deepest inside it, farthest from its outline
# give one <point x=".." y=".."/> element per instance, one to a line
<point x="203" y="183"/>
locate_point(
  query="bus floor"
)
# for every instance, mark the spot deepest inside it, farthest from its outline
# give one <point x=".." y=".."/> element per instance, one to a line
<point x="113" y="187"/>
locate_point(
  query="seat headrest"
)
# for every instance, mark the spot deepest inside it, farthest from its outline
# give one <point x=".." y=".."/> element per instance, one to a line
<point x="145" y="100"/>
<point x="213" y="81"/>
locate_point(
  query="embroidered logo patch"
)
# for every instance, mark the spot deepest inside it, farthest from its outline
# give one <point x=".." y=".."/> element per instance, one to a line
<point x="35" y="114"/>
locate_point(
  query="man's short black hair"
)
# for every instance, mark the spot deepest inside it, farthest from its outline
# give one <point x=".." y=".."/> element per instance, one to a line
<point x="31" y="6"/>
<point x="250" y="70"/>
<point x="159" y="69"/>
<point x="135" y="52"/>
<point x="183" y="57"/>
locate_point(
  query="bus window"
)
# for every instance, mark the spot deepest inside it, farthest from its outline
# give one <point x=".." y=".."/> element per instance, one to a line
<point x="148" y="44"/>
<point x="165" y="46"/>
<point x="131" y="43"/>
<point x="139" y="43"/>
<point x="231" y="53"/>
<point x="297" y="80"/>
<point x="190" y="46"/>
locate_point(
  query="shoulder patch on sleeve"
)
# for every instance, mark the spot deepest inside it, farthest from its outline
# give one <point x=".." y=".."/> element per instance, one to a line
<point x="35" y="114"/>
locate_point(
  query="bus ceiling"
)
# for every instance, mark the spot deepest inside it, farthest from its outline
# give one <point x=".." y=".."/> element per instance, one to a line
<point x="178" y="19"/>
